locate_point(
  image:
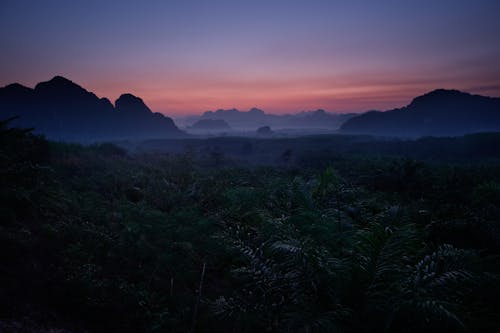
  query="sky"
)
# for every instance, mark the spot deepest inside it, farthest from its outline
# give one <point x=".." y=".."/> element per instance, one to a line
<point x="185" y="56"/>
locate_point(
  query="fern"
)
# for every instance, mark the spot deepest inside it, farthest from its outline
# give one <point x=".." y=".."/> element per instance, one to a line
<point x="436" y="287"/>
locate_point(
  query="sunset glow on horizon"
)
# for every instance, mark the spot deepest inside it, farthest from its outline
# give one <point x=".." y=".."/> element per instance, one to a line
<point x="187" y="57"/>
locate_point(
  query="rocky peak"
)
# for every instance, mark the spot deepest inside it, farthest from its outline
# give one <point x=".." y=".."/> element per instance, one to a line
<point x="128" y="103"/>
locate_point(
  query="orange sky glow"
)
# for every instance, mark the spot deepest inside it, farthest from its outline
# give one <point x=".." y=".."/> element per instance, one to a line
<point x="283" y="56"/>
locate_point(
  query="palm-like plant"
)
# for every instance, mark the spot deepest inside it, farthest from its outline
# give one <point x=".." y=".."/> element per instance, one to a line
<point x="434" y="289"/>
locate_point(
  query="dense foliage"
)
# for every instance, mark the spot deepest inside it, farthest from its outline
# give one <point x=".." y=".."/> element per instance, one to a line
<point x="100" y="240"/>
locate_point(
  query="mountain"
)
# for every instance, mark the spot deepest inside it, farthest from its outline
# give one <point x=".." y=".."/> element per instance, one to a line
<point x="238" y="119"/>
<point x="63" y="110"/>
<point x="438" y="113"/>
<point x="318" y="119"/>
<point x="210" y="124"/>
<point x="255" y="118"/>
<point x="264" y="131"/>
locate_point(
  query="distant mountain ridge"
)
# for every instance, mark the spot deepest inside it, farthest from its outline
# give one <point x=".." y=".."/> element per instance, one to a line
<point x="255" y="118"/>
<point x="438" y="113"/>
<point x="211" y="124"/>
<point x="63" y="110"/>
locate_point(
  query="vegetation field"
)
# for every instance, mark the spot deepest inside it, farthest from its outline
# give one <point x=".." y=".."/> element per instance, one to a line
<point x="104" y="239"/>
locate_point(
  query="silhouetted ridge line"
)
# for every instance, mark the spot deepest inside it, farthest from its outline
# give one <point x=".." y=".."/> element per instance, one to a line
<point x="255" y="118"/>
<point x="438" y="113"/>
<point x="63" y="110"/>
<point x="211" y="124"/>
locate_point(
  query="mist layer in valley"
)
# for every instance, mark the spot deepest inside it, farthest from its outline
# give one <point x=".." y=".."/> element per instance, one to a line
<point x="248" y="123"/>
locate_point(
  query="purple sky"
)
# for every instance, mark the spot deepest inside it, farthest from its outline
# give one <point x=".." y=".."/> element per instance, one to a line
<point x="185" y="57"/>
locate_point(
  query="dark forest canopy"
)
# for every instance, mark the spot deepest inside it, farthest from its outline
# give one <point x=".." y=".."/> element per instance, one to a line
<point x="100" y="239"/>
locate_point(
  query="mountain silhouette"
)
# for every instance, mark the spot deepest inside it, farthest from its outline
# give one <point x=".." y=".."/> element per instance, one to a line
<point x="255" y="118"/>
<point x="236" y="118"/>
<point x="438" y="113"/>
<point x="210" y="124"/>
<point x="264" y="131"/>
<point x="63" y="110"/>
<point x="128" y="104"/>
<point x="318" y="119"/>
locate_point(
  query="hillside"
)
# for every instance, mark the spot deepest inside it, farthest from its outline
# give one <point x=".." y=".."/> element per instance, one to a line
<point x="63" y="110"/>
<point x="437" y="113"/>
